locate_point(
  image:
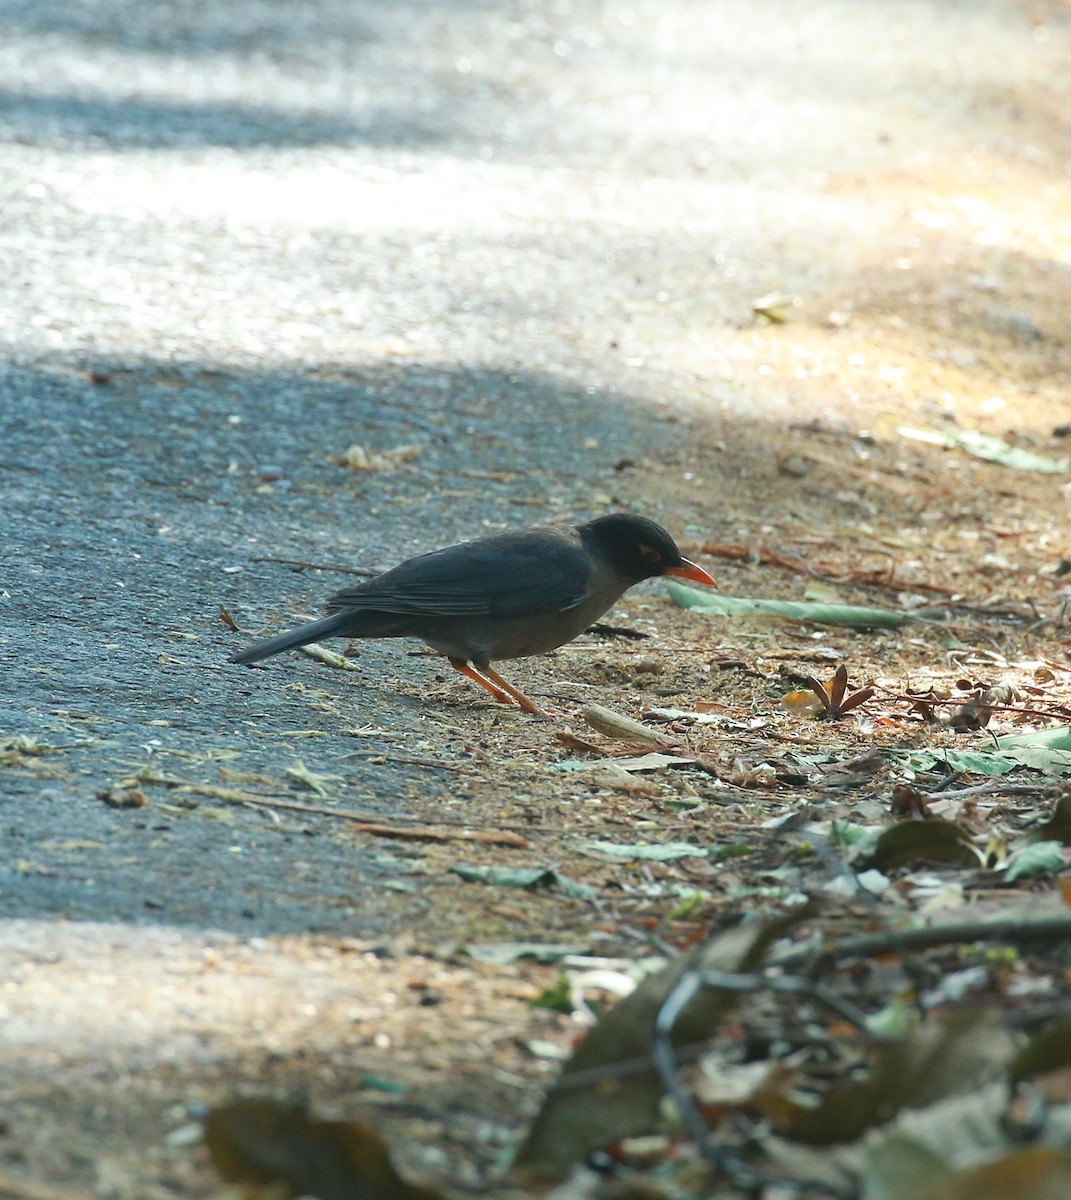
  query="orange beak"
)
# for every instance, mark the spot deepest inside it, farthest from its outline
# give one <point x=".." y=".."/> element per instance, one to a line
<point x="689" y="570"/>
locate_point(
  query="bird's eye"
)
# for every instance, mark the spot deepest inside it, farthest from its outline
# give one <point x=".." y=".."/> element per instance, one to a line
<point x="650" y="555"/>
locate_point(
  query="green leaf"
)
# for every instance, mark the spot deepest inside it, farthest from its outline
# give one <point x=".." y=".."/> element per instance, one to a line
<point x="895" y="1020"/>
<point x="1035" y="859"/>
<point x="651" y="852"/>
<point x="902" y="1167"/>
<point x="851" y="616"/>
<point x="986" y="762"/>
<point x="1056" y="738"/>
<point x="558" y="997"/>
<point x="992" y="449"/>
<point x="501" y="954"/>
<point x="523" y="877"/>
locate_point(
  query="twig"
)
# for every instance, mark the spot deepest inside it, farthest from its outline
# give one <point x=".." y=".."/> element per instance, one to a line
<point x="991" y="787"/>
<point x="763" y="556"/>
<point x="666" y="1061"/>
<point x="893" y="941"/>
<point x="432" y="833"/>
<point x="617" y="631"/>
<point x="364" y="822"/>
<point x="301" y="565"/>
<point x="402" y="758"/>
<point x="1059" y="712"/>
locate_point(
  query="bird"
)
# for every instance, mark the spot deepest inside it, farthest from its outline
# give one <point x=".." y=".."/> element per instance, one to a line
<point x="510" y="595"/>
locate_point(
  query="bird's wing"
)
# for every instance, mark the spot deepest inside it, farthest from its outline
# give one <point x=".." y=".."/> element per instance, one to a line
<point x="507" y="576"/>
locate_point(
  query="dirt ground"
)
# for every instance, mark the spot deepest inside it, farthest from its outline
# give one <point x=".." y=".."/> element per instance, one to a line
<point x="707" y="262"/>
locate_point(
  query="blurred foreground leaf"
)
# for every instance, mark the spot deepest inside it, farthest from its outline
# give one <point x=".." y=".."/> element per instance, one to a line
<point x="935" y="1060"/>
<point x="280" y="1150"/>
<point x="911" y="842"/>
<point x="609" y="1090"/>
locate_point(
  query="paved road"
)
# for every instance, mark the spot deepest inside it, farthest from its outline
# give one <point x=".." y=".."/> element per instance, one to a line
<point x="238" y="237"/>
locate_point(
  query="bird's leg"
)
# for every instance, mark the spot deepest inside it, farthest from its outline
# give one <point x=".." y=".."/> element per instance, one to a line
<point x="503" y="692"/>
<point x="528" y="706"/>
<point x="467" y="668"/>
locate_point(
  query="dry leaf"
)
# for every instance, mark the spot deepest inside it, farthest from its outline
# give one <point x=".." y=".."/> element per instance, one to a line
<point x="358" y="458"/>
<point x="273" y="1146"/>
<point x="616" y="725"/>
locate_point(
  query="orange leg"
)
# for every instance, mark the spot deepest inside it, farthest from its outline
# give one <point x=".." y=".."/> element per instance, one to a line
<point x="466" y="668"/>
<point x="503" y="691"/>
<point x="528" y="706"/>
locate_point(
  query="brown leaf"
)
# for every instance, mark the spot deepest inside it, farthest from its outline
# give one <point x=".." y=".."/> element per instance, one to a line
<point x="936" y="1060"/>
<point x="912" y="842"/>
<point x="1047" y="1051"/>
<point x="1040" y="1173"/>
<point x="269" y="1144"/>
<point x="608" y="1090"/>
<point x="227" y="619"/>
<point x="1058" y="827"/>
<point x="617" y="725"/>
<point x="907" y="803"/>
<point x="831" y="694"/>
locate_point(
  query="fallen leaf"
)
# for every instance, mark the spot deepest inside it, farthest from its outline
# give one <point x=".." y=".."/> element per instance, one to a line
<point x="1038" y="1173"/>
<point x="982" y="445"/>
<point x="1037" y="858"/>
<point x="273" y="1145"/>
<point x="936" y="1060"/>
<point x="501" y="954"/>
<point x="523" y="877"/>
<point x="648" y="852"/>
<point x="849" y="616"/>
<point x="912" y="842"/>
<point x="358" y="458"/>
<point x="607" y="1091"/>
<point x="1058" y="827"/>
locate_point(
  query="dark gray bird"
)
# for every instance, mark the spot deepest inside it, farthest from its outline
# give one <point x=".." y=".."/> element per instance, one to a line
<point x="506" y="596"/>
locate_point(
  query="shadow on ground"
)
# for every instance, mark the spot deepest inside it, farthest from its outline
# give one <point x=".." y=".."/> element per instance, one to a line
<point x="140" y="497"/>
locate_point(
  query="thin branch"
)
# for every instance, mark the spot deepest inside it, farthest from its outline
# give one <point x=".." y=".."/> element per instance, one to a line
<point x="363" y="822"/>
<point x="895" y="941"/>
<point x="301" y="565"/>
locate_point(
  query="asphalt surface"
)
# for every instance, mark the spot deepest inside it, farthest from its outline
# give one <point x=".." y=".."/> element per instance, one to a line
<point x="237" y="238"/>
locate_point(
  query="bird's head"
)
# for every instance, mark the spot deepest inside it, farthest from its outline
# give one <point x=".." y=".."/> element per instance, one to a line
<point x="639" y="549"/>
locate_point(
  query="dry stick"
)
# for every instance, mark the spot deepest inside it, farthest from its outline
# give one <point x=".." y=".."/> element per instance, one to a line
<point x="364" y="822"/>
<point x="311" y="566"/>
<point x="894" y="941"/>
<point x="1059" y="712"/>
<point x="992" y="787"/>
<point x="402" y="758"/>
<point x="737" y="552"/>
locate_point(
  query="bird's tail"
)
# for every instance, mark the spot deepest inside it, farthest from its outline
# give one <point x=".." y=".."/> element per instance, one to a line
<point x="327" y="627"/>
